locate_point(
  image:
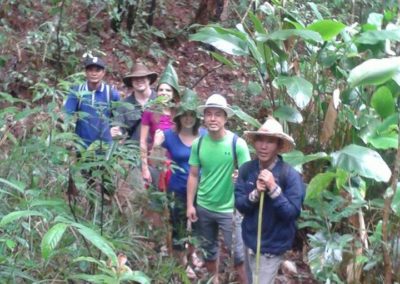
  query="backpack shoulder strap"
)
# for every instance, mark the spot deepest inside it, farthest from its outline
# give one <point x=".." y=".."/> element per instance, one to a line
<point x="198" y="147"/>
<point x="235" y="158"/>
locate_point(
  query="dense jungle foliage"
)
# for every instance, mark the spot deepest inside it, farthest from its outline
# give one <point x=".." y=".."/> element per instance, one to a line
<point x="328" y="70"/>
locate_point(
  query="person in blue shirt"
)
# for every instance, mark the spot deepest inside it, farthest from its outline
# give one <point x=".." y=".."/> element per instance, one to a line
<point x="178" y="142"/>
<point x="284" y="194"/>
<point x="93" y="103"/>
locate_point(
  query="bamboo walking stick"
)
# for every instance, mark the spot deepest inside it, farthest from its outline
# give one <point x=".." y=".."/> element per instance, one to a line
<point x="258" y="250"/>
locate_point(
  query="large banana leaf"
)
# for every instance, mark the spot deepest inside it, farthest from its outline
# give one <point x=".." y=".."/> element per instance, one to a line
<point x="298" y="88"/>
<point x="328" y="29"/>
<point x="362" y="161"/>
<point x="245" y="117"/>
<point x="374" y="71"/>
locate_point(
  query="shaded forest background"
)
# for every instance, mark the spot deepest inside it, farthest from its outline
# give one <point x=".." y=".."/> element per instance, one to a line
<point x="296" y="60"/>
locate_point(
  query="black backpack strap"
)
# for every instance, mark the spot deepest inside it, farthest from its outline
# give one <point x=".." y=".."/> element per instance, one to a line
<point x="198" y="148"/>
<point x="283" y="175"/>
<point x="235" y="158"/>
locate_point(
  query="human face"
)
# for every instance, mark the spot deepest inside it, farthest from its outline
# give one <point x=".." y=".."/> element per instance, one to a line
<point x="267" y="148"/>
<point x="214" y="119"/>
<point x="188" y="119"/>
<point x="166" y="91"/>
<point x="141" y="84"/>
<point x="94" y="74"/>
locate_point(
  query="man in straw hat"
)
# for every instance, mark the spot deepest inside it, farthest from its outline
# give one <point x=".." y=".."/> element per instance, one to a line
<point x="213" y="154"/>
<point x="130" y="112"/>
<point x="284" y="196"/>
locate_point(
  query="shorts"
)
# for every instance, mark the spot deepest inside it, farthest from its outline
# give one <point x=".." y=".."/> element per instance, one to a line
<point x="208" y="225"/>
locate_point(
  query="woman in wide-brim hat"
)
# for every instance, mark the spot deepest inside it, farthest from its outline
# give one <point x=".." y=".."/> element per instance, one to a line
<point x="178" y="142"/>
<point x="159" y="116"/>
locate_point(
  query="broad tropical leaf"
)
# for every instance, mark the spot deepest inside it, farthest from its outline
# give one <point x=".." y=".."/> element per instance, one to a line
<point x="51" y="239"/>
<point x="296" y="158"/>
<point x="13" y="216"/>
<point x="136" y="276"/>
<point x="374" y="71"/>
<point x="98" y="241"/>
<point x="289" y="114"/>
<point x="373" y="37"/>
<point x="285" y="34"/>
<point x="363" y="161"/>
<point x="318" y="184"/>
<point x="383" y="102"/>
<point x="328" y="29"/>
<point x="226" y="40"/>
<point x="245" y="117"/>
<point x="298" y="88"/>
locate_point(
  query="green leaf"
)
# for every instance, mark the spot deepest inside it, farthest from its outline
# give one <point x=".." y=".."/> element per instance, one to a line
<point x="98" y="241"/>
<point x="245" y="117"/>
<point x="98" y="278"/>
<point x="328" y="29"/>
<point x="136" y="276"/>
<point x="256" y="54"/>
<point x="319" y="183"/>
<point x="383" y="102"/>
<point x="363" y="161"/>
<point x="296" y="158"/>
<point x="298" y="88"/>
<point x="374" y="71"/>
<point x="18" y="185"/>
<point x="226" y="40"/>
<point x="285" y="34"/>
<point x="396" y="201"/>
<point x="222" y="59"/>
<point x="289" y="114"/>
<point x="13" y="216"/>
<point x="374" y="37"/>
<point x="253" y="88"/>
<point x="51" y="239"/>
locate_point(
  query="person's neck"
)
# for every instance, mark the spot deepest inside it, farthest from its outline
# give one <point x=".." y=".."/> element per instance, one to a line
<point x="217" y="135"/>
<point x="186" y="131"/>
<point x="142" y="95"/>
<point x="270" y="164"/>
<point x="93" y="86"/>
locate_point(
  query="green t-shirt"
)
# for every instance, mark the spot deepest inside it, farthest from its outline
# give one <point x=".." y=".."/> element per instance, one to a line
<point x="215" y="190"/>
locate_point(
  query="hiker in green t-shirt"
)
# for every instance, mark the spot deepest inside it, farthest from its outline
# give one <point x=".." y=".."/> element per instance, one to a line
<point x="213" y="154"/>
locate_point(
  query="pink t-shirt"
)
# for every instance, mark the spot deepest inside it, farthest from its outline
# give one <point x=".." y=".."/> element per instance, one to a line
<point x="156" y="121"/>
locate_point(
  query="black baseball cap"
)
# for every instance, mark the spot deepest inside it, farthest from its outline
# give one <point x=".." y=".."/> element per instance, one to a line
<point x="94" y="61"/>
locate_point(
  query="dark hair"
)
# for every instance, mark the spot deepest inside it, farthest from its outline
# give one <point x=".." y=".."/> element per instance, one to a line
<point x="178" y="124"/>
<point x="175" y="95"/>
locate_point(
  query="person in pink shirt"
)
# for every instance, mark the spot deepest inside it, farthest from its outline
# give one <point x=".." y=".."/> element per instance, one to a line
<point x="158" y="116"/>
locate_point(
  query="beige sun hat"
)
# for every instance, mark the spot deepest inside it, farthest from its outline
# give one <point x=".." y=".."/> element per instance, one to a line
<point x="217" y="101"/>
<point x="273" y="128"/>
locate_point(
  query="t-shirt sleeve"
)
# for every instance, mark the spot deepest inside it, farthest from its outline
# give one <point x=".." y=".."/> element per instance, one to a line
<point x="146" y="118"/>
<point x="242" y="151"/>
<point x="194" y="158"/>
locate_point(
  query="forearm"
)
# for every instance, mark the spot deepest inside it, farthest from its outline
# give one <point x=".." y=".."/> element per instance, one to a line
<point x="191" y="190"/>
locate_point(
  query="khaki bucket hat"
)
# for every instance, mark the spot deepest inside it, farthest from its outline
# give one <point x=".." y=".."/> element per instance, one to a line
<point x="139" y="70"/>
<point x="272" y="128"/>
